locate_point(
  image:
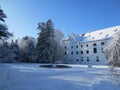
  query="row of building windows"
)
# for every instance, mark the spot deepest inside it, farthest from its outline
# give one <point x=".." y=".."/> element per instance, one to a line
<point x="94" y="44"/>
<point x="87" y="51"/>
<point x="97" y="60"/>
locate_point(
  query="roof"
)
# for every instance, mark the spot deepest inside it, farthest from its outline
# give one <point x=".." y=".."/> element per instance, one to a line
<point x="98" y="34"/>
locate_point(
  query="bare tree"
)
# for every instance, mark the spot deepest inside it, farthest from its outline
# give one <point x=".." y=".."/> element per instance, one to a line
<point x="59" y="52"/>
<point x="112" y="51"/>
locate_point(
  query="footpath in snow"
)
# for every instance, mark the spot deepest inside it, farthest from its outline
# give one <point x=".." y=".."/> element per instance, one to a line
<point x="79" y="77"/>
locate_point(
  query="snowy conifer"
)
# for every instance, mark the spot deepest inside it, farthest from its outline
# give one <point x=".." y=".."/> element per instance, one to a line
<point x="4" y="34"/>
<point x="46" y="44"/>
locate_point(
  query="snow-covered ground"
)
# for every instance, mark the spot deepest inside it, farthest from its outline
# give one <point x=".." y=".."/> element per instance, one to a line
<point x="79" y="77"/>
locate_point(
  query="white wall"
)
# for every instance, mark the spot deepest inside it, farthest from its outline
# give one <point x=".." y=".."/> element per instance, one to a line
<point x="77" y="58"/>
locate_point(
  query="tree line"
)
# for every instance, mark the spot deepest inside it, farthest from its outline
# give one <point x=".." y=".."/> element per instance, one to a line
<point x="46" y="49"/>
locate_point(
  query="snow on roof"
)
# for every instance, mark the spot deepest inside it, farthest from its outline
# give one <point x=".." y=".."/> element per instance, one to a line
<point x="100" y="34"/>
<point x="96" y="35"/>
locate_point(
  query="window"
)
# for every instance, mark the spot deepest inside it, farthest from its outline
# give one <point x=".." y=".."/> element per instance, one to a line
<point x="100" y="33"/>
<point x="81" y="45"/>
<point x="94" y="44"/>
<point x="81" y="52"/>
<point x="86" y="45"/>
<point x="71" y="53"/>
<point x="87" y="52"/>
<point x="81" y="58"/>
<point x="106" y="35"/>
<point x="94" y="50"/>
<point x="65" y="52"/>
<point x="71" y="46"/>
<point x="77" y="60"/>
<point x="97" y="59"/>
<point x="93" y="37"/>
<point x="77" y="52"/>
<point x="102" y="50"/>
<point x="102" y="43"/>
<point x="77" y="46"/>
<point x="88" y="59"/>
<point x="115" y="30"/>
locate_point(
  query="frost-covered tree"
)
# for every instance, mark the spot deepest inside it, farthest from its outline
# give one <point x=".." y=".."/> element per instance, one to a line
<point x="46" y="44"/>
<point x="112" y="51"/>
<point x="15" y="50"/>
<point x="6" y="56"/>
<point x="59" y="52"/>
<point x="4" y="34"/>
<point x="27" y="49"/>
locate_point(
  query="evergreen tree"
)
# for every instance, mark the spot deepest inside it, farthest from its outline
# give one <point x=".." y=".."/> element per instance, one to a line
<point x="4" y="34"/>
<point x="46" y="44"/>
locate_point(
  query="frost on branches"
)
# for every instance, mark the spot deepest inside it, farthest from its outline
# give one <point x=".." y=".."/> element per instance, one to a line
<point x="46" y="44"/>
<point x="112" y="51"/>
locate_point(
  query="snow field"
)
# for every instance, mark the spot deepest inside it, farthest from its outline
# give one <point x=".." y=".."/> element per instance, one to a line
<point x="79" y="77"/>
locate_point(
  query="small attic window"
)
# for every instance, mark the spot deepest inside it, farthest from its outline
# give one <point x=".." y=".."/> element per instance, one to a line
<point x="89" y="35"/>
<point x="100" y="33"/>
<point x="83" y="34"/>
<point x="93" y="37"/>
<point x="106" y="35"/>
<point x="115" y="30"/>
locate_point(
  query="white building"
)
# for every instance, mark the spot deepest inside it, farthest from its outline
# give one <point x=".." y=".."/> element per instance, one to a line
<point x="88" y="48"/>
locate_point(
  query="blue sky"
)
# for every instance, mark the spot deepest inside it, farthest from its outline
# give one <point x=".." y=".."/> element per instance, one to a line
<point x="78" y="16"/>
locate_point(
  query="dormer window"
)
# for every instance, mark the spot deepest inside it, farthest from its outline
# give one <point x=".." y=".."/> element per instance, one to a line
<point x="100" y="33"/>
<point x="106" y="35"/>
<point x="93" y="37"/>
<point x="115" y="30"/>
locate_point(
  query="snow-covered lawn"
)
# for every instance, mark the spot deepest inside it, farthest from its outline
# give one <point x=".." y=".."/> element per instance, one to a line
<point x="79" y="77"/>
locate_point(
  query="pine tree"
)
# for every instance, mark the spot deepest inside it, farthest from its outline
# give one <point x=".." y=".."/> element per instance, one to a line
<point x="4" y="34"/>
<point x="46" y="44"/>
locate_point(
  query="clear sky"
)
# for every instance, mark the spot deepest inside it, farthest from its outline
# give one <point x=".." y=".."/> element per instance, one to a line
<point x="78" y="16"/>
